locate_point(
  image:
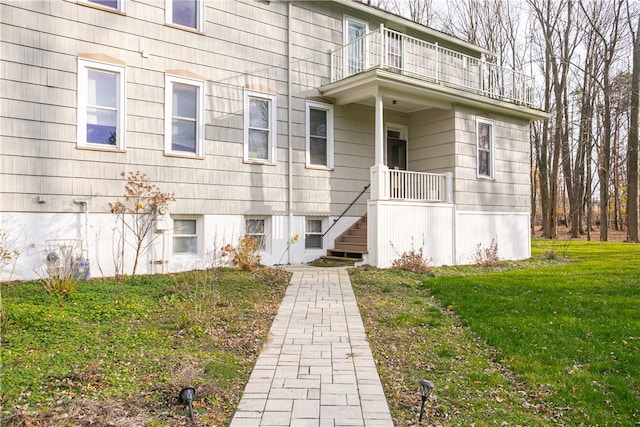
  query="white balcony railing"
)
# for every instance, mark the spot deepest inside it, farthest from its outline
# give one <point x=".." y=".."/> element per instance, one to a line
<point x="420" y="186"/>
<point x="394" y="51"/>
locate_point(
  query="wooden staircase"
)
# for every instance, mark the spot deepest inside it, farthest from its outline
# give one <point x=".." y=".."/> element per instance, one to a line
<point x="352" y="244"/>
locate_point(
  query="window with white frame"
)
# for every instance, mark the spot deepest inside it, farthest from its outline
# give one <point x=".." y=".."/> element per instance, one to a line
<point x="356" y="45"/>
<point x="185" y="236"/>
<point x="313" y="233"/>
<point x="184" y="116"/>
<point x="260" y="126"/>
<point x="257" y="228"/>
<point x="485" y="148"/>
<point x="319" y="119"/>
<point x="101" y="102"/>
<point x="111" y="4"/>
<point x="186" y="13"/>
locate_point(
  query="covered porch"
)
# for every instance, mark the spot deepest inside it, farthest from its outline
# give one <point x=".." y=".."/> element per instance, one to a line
<point x="412" y="204"/>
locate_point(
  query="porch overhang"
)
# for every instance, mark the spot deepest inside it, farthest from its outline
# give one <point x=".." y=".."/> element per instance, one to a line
<point x="407" y="94"/>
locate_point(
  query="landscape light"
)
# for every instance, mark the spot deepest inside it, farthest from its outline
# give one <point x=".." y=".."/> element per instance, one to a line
<point x="425" y="391"/>
<point x="186" y="397"/>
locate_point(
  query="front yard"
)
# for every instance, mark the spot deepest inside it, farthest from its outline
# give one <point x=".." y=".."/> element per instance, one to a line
<point x="551" y="340"/>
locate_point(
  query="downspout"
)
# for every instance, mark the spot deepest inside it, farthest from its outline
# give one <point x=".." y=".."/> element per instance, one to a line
<point x="289" y="136"/>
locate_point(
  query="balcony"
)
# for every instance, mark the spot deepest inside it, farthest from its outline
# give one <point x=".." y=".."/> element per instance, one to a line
<point x="428" y="62"/>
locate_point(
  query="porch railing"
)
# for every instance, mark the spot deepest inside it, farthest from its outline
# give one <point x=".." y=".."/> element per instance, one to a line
<point x="397" y="52"/>
<point x="421" y="186"/>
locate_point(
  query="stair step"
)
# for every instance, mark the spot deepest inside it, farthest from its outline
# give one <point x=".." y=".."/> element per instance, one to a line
<point x="352" y="244"/>
<point x="353" y="239"/>
<point x="351" y="247"/>
<point x="338" y="253"/>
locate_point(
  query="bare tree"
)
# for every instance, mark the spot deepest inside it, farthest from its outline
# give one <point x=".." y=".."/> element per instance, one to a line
<point x="606" y="26"/>
<point x="556" y="23"/>
<point x="420" y="11"/>
<point x="632" y="145"/>
<point x="585" y="137"/>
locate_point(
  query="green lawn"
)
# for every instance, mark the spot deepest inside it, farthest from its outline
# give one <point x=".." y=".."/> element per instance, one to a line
<point x="551" y="340"/>
<point x="119" y="353"/>
<point x="529" y="343"/>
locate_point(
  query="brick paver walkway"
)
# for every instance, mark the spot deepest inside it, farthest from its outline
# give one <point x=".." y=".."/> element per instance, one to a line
<point x="316" y="368"/>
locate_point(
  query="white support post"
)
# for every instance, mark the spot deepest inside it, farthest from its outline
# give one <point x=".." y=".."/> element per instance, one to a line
<point x="379" y="130"/>
<point x="482" y="61"/>
<point x="437" y="62"/>
<point x="333" y="70"/>
<point x="449" y="187"/>
<point x="379" y="172"/>
<point x="383" y="47"/>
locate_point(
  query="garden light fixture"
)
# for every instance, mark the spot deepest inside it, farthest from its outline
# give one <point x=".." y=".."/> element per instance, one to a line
<point x="186" y="397"/>
<point x="425" y="391"/>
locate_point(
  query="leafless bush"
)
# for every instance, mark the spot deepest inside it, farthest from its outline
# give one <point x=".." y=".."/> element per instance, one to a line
<point x="412" y="260"/>
<point x="487" y="256"/>
<point x="62" y="268"/>
<point x="138" y="213"/>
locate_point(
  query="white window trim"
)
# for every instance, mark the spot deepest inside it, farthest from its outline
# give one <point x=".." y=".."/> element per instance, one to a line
<point x="273" y="129"/>
<point x="84" y="66"/>
<point x="198" y="236"/>
<point x="323" y="221"/>
<point x="168" y="114"/>
<point x="345" y="41"/>
<point x="199" y="18"/>
<point x="492" y="139"/>
<point x="122" y="5"/>
<point x="330" y="142"/>
<point x="267" y="231"/>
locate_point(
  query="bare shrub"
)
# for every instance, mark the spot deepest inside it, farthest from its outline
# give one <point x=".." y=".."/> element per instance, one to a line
<point x="62" y="268"/>
<point x="246" y="256"/>
<point x="139" y="212"/>
<point x="8" y="256"/>
<point x="487" y="256"/>
<point x="8" y="253"/>
<point x="412" y="260"/>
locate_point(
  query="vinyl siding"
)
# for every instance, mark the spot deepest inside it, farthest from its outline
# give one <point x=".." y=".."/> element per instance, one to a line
<point x="244" y="43"/>
<point x="510" y="188"/>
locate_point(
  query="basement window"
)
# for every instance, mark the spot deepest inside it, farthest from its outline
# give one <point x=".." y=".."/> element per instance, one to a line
<point x="313" y="234"/>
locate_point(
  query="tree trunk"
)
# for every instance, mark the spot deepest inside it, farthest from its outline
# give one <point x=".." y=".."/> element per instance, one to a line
<point x="632" y="148"/>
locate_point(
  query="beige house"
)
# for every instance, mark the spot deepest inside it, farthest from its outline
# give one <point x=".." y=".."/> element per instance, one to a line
<point x="365" y="134"/>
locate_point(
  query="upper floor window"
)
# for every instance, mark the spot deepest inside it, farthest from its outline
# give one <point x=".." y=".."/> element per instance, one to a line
<point x="186" y="13"/>
<point x="485" y="148"/>
<point x="111" y="4"/>
<point x="184" y="116"/>
<point x="319" y="119"/>
<point x="260" y="126"/>
<point x="356" y="45"/>
<point x="101" y="100"/>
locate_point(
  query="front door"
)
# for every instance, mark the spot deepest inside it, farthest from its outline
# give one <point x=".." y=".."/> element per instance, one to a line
<point x="396" y="153"/>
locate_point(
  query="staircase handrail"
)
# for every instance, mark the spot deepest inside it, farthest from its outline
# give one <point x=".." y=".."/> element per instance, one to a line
<point x="366" y="187"/>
